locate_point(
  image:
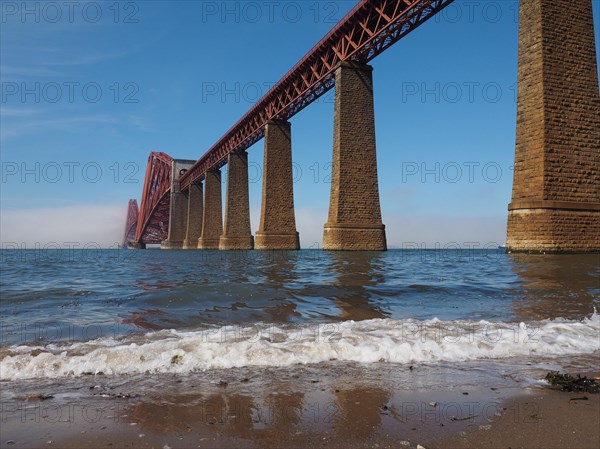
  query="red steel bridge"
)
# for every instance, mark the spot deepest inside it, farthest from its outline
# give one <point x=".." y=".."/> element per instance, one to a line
<point x="133" y="212"/>
<point x="369" y="29"/>
<point x="152" y="220"/>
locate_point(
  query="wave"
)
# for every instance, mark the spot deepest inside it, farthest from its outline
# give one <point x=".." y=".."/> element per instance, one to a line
<point x="265" y="345"/>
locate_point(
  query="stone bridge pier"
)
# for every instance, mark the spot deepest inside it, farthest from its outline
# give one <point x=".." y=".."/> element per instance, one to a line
<point x="354" y="224"/>
<point x="555" y="203"/>
<point x="194" y="219"/>
<point x="178" y="210"/>
<point x="354" y="211"/>
<point x="212" y="212"/>
<point x="236" y="232"/>
<point x="277" y="230"/>
<point x="556" y="191"/>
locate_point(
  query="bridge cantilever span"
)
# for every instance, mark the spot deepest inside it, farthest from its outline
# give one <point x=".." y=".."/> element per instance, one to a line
<point x="133" y="213"/>
<point x="367" y="30"/>
<point x="153" y="221"/>
<point x="556" y="200"/>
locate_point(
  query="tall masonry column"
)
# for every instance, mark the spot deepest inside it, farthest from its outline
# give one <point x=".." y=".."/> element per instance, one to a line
<point x="212" y="213"/>
<point x="354" y="212"/>
<point x="194" y="220"/>
<point x="556" y="190"/>
<point x="237" y="234"/>
<point x="277" y="230"/>
<point x="178" y="212"/>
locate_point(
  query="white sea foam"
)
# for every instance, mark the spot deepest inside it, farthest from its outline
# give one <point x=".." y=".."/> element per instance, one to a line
<point x="394" y="341"/>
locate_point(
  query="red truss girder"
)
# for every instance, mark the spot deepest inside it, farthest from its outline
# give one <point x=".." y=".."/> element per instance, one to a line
<point x="133" y="212"/>
<point x="370" y="28"/>
<point x="153" y="222"/>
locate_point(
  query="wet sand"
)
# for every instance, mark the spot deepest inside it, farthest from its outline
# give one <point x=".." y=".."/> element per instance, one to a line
<point x="306" y="407"/>
<point x="545" y="419"/>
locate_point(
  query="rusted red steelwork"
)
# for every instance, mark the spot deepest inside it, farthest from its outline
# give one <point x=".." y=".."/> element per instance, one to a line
<point x="370" y="28"/>
<point x="133" y="212"/>
<point x="153" y="222"/>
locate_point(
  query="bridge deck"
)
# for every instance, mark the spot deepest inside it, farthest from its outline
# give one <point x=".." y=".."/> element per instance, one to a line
<point x="367" y="30"/>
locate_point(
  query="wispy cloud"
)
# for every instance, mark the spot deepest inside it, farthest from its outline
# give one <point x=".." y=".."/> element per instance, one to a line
<point x="26" y="62"/>
<point x="19" y="72"/>
<point x="13" y="112"/>
<point x="86" y="58"/>
<point x="139" y="122"/>
<point x="26" y="125"/>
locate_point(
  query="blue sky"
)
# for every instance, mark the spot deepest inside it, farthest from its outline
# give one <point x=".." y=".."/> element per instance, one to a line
<point x="89" y="90"/>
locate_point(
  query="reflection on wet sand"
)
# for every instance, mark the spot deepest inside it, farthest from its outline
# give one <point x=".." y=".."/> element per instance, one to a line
<point x="554" y="286"/>
<point x="360" y="411"/>
<point x="224" y="417"/>
<point x="334" y="406"/>
<point x="296" y="417"/>
<point x="195" y="412"/>
<point x="301" y="411"/>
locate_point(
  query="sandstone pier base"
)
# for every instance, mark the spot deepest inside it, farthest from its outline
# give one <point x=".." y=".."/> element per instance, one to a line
<point x="277" y="230"/>
<point x="556" y="191"/>
<point x="212" y="212"/>
<point x="354" y="210"/>
<point x="237" y="234"/>
<point x="178" y="212"/>
<point x="194" y="220"/>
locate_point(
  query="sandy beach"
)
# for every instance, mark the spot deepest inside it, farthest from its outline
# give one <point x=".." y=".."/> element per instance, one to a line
<point x="545" y="419"/>
<point x="307" y="407"/>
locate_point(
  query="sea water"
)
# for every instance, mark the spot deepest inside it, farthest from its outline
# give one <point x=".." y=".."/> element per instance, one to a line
<point x="72" y="313"/>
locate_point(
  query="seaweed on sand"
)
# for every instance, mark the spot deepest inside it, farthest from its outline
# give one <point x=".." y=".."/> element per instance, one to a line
<point x="566" y="382"/>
